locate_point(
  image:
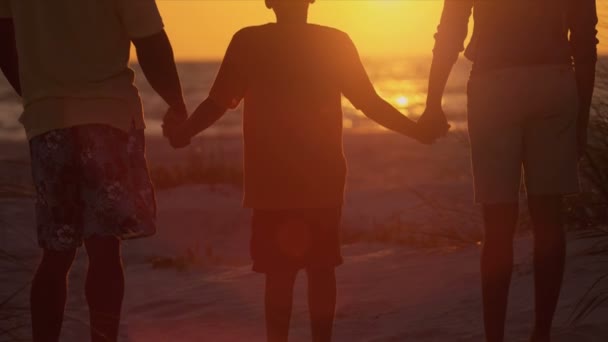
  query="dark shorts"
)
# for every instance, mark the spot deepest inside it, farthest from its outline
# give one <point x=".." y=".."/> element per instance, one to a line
<point x="287" y="240"/>
<point x="91" y="180"/>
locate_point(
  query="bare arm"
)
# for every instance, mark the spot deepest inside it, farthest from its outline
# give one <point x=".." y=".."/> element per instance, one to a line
<point x="227" y="92"/>
<point x="358" y="88"/>
<point x="207" y="113"/>
<point x="583" y="39"/>
<point x="449" y="42"/>
<point x="438" y="79"/>
<point x="383" y="113"/>
<point x="9" y="62"/>
<point x="157" y="62"/>
<point x="203" y="117"/>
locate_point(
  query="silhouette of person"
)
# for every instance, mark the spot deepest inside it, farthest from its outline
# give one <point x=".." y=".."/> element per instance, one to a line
<point x="291" y="75"/>
<point x="529" y="99"/>
<point x="84" y="121"/>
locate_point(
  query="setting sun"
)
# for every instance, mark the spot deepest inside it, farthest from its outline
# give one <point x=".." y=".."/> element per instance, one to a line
<point x="402" y="101"/>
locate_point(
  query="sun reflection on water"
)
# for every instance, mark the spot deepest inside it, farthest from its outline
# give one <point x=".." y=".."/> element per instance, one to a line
<point x="402" y="101"/>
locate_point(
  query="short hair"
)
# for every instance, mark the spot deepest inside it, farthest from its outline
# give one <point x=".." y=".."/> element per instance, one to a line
<point x="270" y="2"/>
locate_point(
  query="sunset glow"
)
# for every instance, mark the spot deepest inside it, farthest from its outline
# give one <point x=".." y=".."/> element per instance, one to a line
<point x="202" y="29"/>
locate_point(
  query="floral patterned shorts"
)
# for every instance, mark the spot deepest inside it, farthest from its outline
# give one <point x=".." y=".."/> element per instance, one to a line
<point x="91" y="180"/>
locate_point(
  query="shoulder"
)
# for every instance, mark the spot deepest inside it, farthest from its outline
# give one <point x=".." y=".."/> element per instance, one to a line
<point x="331" y="33"/>
<point x="251" y="32"/>
<point x="339" y="40"/>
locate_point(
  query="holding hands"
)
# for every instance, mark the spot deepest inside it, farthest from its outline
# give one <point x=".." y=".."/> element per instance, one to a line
<point x="432" y="125"/>
<point x="173" y="127"/>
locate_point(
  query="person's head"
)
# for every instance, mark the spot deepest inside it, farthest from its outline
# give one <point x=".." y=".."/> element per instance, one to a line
<point x="290" y="10"/>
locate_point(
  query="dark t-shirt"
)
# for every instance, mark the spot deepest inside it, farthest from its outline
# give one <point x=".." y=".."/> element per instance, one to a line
<point x="519" y="32"/>
<point x="291" y="78"/>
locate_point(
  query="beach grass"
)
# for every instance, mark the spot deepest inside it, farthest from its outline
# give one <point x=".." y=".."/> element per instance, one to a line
<point x="201" y="167"/>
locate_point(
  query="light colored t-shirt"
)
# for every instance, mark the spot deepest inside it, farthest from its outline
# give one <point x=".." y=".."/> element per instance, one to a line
<point x="291" y="79"/>
<point x="73" y="60"/>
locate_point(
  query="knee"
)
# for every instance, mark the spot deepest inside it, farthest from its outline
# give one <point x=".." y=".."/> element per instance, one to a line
<point x="547" y="217"/>
<point x="281" y="279"/>
<point x="500" y="221"/>
<point x="55" y="264"/>
<point x="497" y="238"/>
<point x="321" y="276"/>
<point x="104" y="252"/>
<point x="546" y="211"/>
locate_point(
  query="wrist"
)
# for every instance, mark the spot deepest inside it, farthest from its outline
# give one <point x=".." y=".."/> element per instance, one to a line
<point x="409" y="128"/>
<point x="434" y="105"/>
<point x="188" y="130"/>
<point x="179" y="107"/>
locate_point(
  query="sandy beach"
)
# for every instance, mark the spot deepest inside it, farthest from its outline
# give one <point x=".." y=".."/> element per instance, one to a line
<point x="410" y="233"/>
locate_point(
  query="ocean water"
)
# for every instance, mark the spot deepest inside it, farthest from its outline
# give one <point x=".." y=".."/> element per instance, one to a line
<point x="402" y="82"/>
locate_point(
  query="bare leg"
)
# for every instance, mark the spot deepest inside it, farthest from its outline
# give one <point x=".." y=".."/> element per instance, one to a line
<point x="322" y="302"/>
<point x="549" y="260"/>
<point x="279" y="301"/>
<point x="104" y="287"/>
<point x="49" y="293"/>
<point x="500" y="221"/>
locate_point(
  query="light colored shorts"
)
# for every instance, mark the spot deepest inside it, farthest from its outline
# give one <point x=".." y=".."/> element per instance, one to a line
<point x="523" y="118"/>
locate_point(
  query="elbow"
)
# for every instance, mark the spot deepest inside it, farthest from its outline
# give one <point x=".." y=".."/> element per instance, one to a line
<point x="153" y="47"/>
<point x="371" y="104"/>
<point x="446" y="55"/>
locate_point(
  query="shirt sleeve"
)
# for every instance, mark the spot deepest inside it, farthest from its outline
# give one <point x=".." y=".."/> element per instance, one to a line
<point x="5" y="9"/>
<point x="354" y="80"/>
<point x="230" y="83"/>
<point x="583" y="22"/>
<point x="453" y="29"/>
<point x="140" y="18"/>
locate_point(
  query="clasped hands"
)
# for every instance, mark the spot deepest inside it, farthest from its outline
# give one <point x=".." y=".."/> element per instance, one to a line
<point x="174" y="124"/>
<point x="431" y="126"/>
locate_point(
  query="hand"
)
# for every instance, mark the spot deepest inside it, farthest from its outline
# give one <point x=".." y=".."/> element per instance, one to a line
<point x="432" y="125"/>
<point x="173" y="118"/>
<point x="178" y="137"/>
<point x="174" y="130"/>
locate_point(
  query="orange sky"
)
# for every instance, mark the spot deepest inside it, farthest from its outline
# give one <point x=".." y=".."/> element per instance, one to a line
<point x="201" y="29"/>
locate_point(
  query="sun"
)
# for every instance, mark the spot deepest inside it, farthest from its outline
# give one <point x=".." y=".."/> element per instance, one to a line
<point x="402" y="101"/>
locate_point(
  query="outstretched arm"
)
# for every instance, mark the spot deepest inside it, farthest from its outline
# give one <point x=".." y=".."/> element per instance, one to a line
<point x="8" y="58"/>
<point x="449" y="42"/>
<point x="202" y="118"/>
<point x="357" y="87"/>
<point x="583" y="39"/>
<point x="389" y="117"/>
<point x="226" y="93"/>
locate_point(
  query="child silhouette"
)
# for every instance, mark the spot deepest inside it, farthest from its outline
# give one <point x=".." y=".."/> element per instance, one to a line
<point x="291" y="75"/>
